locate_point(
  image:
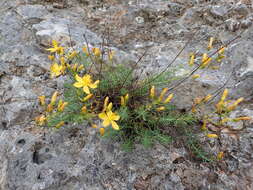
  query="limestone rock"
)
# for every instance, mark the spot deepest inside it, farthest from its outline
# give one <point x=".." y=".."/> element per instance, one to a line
<point x="30" y="12"/>
<point x="62" y="30"/>
<point x="219" y="11"/>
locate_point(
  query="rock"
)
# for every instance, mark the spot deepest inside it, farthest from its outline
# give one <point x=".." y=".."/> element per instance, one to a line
<point x="232" y="24"/>
<point x="139" y="20"/>
<point x="18" y="98"/>
<point x="190" y="15"/>
<point x="235" y="125"/>
<point x="32" y="12"/>
<point x="242" y="55"/>
<point x="176" y="9"/>
<point x="219" y="11"/>
<point x="246" y="23"/>
<point x="63" y="30"/>
<point x="241" y="9"/>
<point x="74" y="157"/>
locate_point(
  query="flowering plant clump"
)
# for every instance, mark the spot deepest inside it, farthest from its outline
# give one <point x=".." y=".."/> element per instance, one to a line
<point x="122" y="106"/>
<point x="221" y="114"/>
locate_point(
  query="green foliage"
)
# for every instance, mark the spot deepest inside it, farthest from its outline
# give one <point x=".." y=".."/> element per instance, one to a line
<point x="139" y="121"/>
<point x="196" y="149"/>
<point x="113" y="79"/>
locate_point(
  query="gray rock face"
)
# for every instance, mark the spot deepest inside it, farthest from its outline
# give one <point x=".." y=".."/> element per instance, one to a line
<point x="29" y="12"/>
<point x="219" y="11"/>
<point x="242" y="9"/>
<point x="63" y="30"/>
<point x="75" y="157"/>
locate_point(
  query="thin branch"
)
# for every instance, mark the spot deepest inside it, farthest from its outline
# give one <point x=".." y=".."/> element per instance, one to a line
<point x="187" y="77"/>
<point x="134" y="67"/>
<point x="175" y="58"/>
<point x="70" y="38"/>
<point x="90" y="55"/>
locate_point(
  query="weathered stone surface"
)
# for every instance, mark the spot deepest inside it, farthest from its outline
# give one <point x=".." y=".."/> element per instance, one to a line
<point x="29" y="12"/>
<point x="241" y="9"/>
<point x="75" y="157"/>
<point x="63" y="30"/>
<point x="219" y="11"/>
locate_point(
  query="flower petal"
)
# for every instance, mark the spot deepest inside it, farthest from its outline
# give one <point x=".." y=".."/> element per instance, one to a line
<point x="106" y="122"/>
<point x="86" y="78"/>
<point x="114" y="117"/>
<point x="54" y="43"/>
<point x="86" y="89"/>
<point x="102" y="116"/>
<point x="79" y="79"/>
<point x="94" y="85"/>
<point x="78" y="84"/>
<point x="115" y="125"/>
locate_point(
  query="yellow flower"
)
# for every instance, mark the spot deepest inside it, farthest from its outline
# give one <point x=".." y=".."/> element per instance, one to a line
<point x="56" y="70"/>
<point x="122" y="101"/>
<point x="85" y="50"/>
<point x="74" y="67"/>
<point x="224" y="95"/>
<point x="96" y="52"/>
<point x="56" y="48"/>
<point x="106" y="101"/>
<point x="212" y="136"/>
<point x="207" y="98"/>
<point x="191" y="62"/>
<point x="219" y="106"/>
<point x="109" y="107"/>
<point x="222" y="50"/>
<point x="89" y="96"/>
<point x="168" y="99"/>
<point x="85" y="82"/>
<point x="60" y="124"/>
<point x="42" y="100"/>
<point x="126" y="98"/>
<point x="68" y="66"/>
<point x="195" y="76"/>
<point x="162" y="108"/>
<point x="210" y="45"/>
<point x="61" y="105"/>
<point x="111" y="55"/>
<point x="235" y="104"/>
<point x="193" y="110"/>
<point x="72" y="55"/>
<point x="109" y="118"/>
<point x="152" y="92"/>
<point x="204" y="128"/>
<point x="162" y="94"/>
<point x="225" y="120"/>
<point x="242" y="119"/>
<point x="51" y="57"/>
<point x="205" y="60"/>
<point x="40" y="120"/>
<point x="80" y="68"/>
<point x="220" y="155"/>
<point x="198" y="100"/>
<point x="94" y="126"/>
<point x="102" y="131"/>
<point x="84" y="109"/>
<point x="54" y="97"/>
<point x="62" y="60"/>
<point x="50" y="108"/>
